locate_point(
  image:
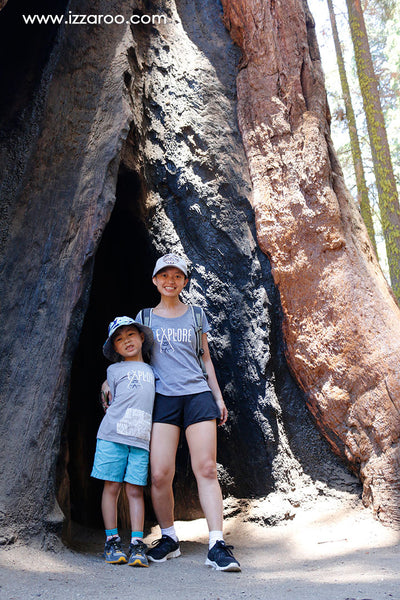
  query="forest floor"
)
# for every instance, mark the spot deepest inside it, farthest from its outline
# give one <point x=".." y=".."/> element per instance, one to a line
<point x="331" y="549"/>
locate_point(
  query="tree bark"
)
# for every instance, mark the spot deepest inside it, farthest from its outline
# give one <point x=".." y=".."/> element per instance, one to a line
<point x="167" y="95"/>
<point x="64" y="197"/>
<point x="341" y="322"/>
<point x="385" y="182"/>
<point x="362" y="190"/>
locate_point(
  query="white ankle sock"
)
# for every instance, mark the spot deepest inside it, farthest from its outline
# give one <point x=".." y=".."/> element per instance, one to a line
<point x="171" y="532"/>
<point x="214" y="537"/>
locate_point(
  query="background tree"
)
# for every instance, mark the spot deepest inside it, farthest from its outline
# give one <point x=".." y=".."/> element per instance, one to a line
<point x="385" y="181"/>
<point x="362" y="188"/>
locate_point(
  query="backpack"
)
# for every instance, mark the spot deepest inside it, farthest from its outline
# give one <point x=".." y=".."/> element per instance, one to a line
<point x="197" y="313"/>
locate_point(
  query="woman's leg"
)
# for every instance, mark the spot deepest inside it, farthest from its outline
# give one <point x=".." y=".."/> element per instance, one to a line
<point x="134" y="493"/>
<point x="202" y="442"/>
<point x="163" y="447"/>
<point x="109" y="501"/>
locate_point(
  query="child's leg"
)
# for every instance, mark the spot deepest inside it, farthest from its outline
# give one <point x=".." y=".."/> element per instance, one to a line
<point x="109" y="502"/>
<point x="112" y="551"/>
<point x="135" y="497"/>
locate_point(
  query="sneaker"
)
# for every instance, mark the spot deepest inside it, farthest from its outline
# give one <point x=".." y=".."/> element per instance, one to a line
<point x="220" y="557"/>
<point x="137" y="555"/>
<point x="113" y="552"/>
<point x="164" y="548"/>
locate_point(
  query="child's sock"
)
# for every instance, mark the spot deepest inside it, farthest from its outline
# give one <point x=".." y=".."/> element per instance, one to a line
<point x="111" y="533"/>
<point x="136" y="536"/>
<point x="171" y="532"/>
<point x="215" y="536"/>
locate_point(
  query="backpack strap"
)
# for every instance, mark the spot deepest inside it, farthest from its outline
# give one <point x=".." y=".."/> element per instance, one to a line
<point x="197" y="314"/>
<point x="145" y="315"/>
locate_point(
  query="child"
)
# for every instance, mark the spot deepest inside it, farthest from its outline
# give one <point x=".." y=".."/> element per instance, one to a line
<point x="122" y="450"/>
<point x="185" y="399"/>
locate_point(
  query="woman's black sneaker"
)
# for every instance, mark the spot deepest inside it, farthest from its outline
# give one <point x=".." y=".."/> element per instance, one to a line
<point x="220" y="557"/>
<point x="164" y="548"/>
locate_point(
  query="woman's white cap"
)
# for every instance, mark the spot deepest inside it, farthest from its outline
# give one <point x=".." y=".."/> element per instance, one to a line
<point x="171" y="260"/>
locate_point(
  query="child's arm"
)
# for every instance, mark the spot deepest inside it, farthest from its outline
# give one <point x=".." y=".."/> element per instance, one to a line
<point x="212" y="381"/>
<point x="105" y="395"/>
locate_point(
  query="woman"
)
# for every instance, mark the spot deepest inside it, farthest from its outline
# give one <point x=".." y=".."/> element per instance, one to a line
<point x="185" y="398"/>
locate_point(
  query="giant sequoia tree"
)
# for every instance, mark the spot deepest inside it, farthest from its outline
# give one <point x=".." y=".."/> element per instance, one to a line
<point x="120" y="148"/>
<point x="341" y="322"/>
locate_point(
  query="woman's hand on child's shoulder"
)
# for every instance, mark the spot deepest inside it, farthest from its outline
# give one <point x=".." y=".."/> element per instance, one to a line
<point x="105" y="395"/>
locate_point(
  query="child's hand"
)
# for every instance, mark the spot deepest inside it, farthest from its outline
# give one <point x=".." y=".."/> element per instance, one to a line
<point x="105" y="396"/>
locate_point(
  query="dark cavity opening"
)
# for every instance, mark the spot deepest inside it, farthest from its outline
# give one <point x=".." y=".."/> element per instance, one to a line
<point x="24" y="52"/>
<point x="121" y="285"/>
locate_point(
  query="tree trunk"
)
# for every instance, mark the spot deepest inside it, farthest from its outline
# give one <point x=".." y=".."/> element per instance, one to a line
<point x="362" y="190"/>
<point x="57" y="197"/>
<point x="341" y="322"/>
<point x="137" y="123"/>
<point x="118" y="123"/>
<point x="385" y="182"/>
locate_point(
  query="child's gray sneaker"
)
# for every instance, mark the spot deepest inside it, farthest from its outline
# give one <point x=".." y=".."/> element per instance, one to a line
<point x="220" y="557"/>
<point x="164" y="548"/>
<point x="113" y="551"/>
<point x="137" y="555"/>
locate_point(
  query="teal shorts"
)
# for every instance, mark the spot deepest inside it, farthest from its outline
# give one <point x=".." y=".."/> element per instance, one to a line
<point x="119" y="462"/>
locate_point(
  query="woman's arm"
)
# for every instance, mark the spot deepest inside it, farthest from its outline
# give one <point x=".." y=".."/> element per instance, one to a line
<point x="105" y="395"/>
<point x="212" y="381"/>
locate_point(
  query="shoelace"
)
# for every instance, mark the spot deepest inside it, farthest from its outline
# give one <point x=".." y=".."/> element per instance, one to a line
<point x="158" y="542"/>
<point x="228" y="549"/>
<point x="139" y="547"/>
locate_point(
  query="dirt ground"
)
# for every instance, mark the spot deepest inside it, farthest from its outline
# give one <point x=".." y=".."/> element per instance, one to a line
<point x="330" y="550"/>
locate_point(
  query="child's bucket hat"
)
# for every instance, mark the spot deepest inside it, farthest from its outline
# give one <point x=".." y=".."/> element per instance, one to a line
<point x="171" y="260"/>
<point x="108" y="348"/>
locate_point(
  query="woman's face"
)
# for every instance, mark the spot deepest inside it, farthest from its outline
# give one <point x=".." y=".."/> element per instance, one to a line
<point x="170" y="281"/>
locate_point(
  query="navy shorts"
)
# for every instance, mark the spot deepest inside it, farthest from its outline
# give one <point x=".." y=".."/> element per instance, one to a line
<point x="185" y="410"/>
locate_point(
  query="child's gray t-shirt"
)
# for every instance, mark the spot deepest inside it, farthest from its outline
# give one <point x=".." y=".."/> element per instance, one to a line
<point x="128" y="418"/>
<point x="173" y="354"/>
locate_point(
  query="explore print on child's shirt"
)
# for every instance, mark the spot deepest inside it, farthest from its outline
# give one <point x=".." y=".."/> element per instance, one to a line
<point x="135" y="379"/>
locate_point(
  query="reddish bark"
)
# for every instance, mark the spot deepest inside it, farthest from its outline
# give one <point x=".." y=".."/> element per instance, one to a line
<point x="341" y="322"/>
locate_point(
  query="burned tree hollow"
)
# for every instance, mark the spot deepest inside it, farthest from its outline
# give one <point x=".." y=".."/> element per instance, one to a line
<point x="121" y="285"/>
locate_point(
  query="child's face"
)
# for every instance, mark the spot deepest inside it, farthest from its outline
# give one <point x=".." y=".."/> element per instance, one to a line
<point x="128" y="342"/>
<point x="170" y="281"/>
